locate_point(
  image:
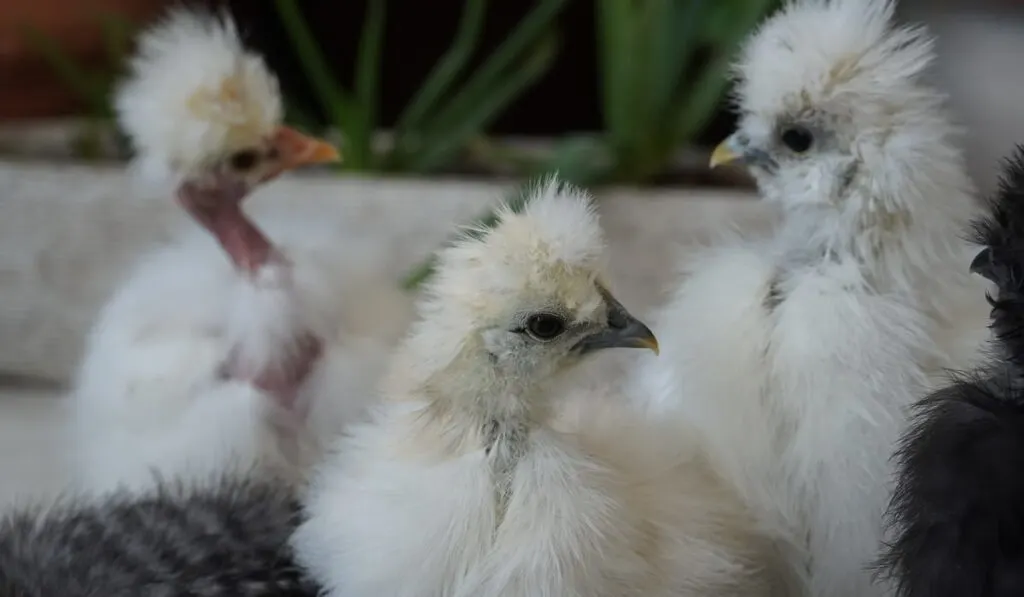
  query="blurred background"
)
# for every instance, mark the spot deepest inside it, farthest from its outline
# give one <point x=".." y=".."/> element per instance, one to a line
<point x="603" y="90"/>
<point x="620" y="91"/>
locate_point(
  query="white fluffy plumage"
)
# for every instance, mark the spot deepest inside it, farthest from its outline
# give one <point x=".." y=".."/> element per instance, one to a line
<point x="170" y="384"/>
<point x="795" y="356"/>
<point x="469" y="480"/>
<point x="148" y="397"/>
<point x="194" y="94"/>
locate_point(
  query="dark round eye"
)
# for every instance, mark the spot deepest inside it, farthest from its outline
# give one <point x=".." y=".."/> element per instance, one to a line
<point x="545" y="326"/>
<point x="243" y="161"/>
<point x="797" y="139"/>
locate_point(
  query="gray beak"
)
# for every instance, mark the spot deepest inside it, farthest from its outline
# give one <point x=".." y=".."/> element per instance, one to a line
<point x="982" y="263"/>
<point x="623" y="331"/>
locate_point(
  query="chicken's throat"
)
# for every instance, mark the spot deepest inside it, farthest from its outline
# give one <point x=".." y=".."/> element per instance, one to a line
<point x="249" y="249"/>
<point x="505" y="442"/>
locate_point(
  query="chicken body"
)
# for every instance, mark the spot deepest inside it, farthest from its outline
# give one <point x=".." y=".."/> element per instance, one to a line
<point x="224" y="539"/>
<point x="958" y="511"/>
<point x="599" y="507"/>
<point x="471" y="481"/>
<point x="795" y="356"/>
<point x="152" y="395"/>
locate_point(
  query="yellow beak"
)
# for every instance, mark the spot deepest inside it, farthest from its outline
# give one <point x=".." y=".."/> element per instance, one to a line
<point x="723" y="153"/>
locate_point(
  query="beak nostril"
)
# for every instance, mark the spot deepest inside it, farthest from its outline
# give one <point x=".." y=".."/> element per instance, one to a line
<point x="617" y="320"/>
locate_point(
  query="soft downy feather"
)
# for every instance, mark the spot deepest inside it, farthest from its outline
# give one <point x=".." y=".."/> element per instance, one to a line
<point x="149" y="378"/>
<point x="225" y="537"/>
<point x="795" y="356"/>
<point x="958" y="509"/>
<point x="469" y="482"/>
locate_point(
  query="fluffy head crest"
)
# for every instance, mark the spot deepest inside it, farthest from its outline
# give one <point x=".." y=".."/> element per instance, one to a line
<point x="552" y="248"/>
<point x="822" y="54"/>
<point x="194" y="94"/>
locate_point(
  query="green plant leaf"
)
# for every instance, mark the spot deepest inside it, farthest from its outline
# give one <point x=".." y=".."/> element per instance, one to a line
<point x="448" y="68"/>
<point x="521" y="59"/>
<point x="615" y="21"/>
<point x="78" y="79"/>
<point x="118" y="33"/>
<point x="464" y="120"/>
<point x="524" y="56"/>
<point x="367" y="85"/>
<point x="726" y="28"/>
<point x="332" y="98"/>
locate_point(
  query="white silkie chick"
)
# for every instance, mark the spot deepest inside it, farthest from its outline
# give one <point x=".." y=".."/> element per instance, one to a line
<point x="467" y="482"/>
<point x="795" y="356"/>
<point x="207" y="356"/>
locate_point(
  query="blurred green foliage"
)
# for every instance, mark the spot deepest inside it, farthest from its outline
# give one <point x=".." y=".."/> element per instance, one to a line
<point x="93" y="87"/>
<point x="450" y="108"/>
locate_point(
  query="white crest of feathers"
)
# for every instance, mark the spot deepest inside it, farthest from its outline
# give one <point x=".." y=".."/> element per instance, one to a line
<point x="194" y="94"/>
<point x="556" y="235"/>
<point x="833" y="53"/>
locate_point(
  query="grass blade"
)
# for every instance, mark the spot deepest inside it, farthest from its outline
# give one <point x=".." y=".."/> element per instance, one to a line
<point x="520" y="42"/>
<point x="331" y="97"/>
<point x="367" y="85"/>
<point x="77" y="79"/>
<point x="117" y="36"/>
<point x="440" y="145"/>
<point x="615" y="35"/>
<point x="449" y="67"/>
<point x="728" y="28"/>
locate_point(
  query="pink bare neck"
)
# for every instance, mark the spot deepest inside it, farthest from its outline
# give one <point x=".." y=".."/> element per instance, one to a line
<point x="218" y="208"/>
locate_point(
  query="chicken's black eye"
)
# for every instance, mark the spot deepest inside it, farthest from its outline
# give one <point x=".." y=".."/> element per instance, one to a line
<point x="243" y="161"/>
<point x="797" y="139"/>
<point x="545" y="326"/>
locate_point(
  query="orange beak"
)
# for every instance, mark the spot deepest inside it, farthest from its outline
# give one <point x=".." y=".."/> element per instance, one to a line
<point x="296" y="150"/>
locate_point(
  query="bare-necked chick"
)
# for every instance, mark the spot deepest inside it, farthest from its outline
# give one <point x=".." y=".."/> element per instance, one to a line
<point x="796" y="355"/>
<point x="228" y="538"/>
<point x="208" y="355"/>
<point x="468" y="482"/>
<point x="958" y="510"/>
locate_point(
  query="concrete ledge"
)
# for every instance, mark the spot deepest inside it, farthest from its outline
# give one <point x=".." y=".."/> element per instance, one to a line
<point x="67" y="233"/>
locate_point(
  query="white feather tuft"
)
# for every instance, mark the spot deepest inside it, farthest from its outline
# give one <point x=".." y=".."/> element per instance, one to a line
<point x="558" y="231"/>
<point x="194" y="94"/>
<point x="821" y="52"/>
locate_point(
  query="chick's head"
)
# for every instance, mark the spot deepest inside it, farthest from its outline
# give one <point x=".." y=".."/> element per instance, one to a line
<point x="527" y="299"/>
<point x="833" y="110"/>
<point x="196" y="103"/>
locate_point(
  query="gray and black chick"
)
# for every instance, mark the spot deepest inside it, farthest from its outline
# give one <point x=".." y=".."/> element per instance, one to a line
<point x="224" y="539"/>
<point x="958" y="510"/>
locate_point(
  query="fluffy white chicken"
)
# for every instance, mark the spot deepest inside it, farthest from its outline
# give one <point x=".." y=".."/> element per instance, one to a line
<point x="795" y="356"/>
<point x="467" y="481"/>
<point x="208" y="355"/>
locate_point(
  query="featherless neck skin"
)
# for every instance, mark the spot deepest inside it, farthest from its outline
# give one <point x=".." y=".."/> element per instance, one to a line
<point x="218" y="208"/>
<point x="246" y="245"/>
